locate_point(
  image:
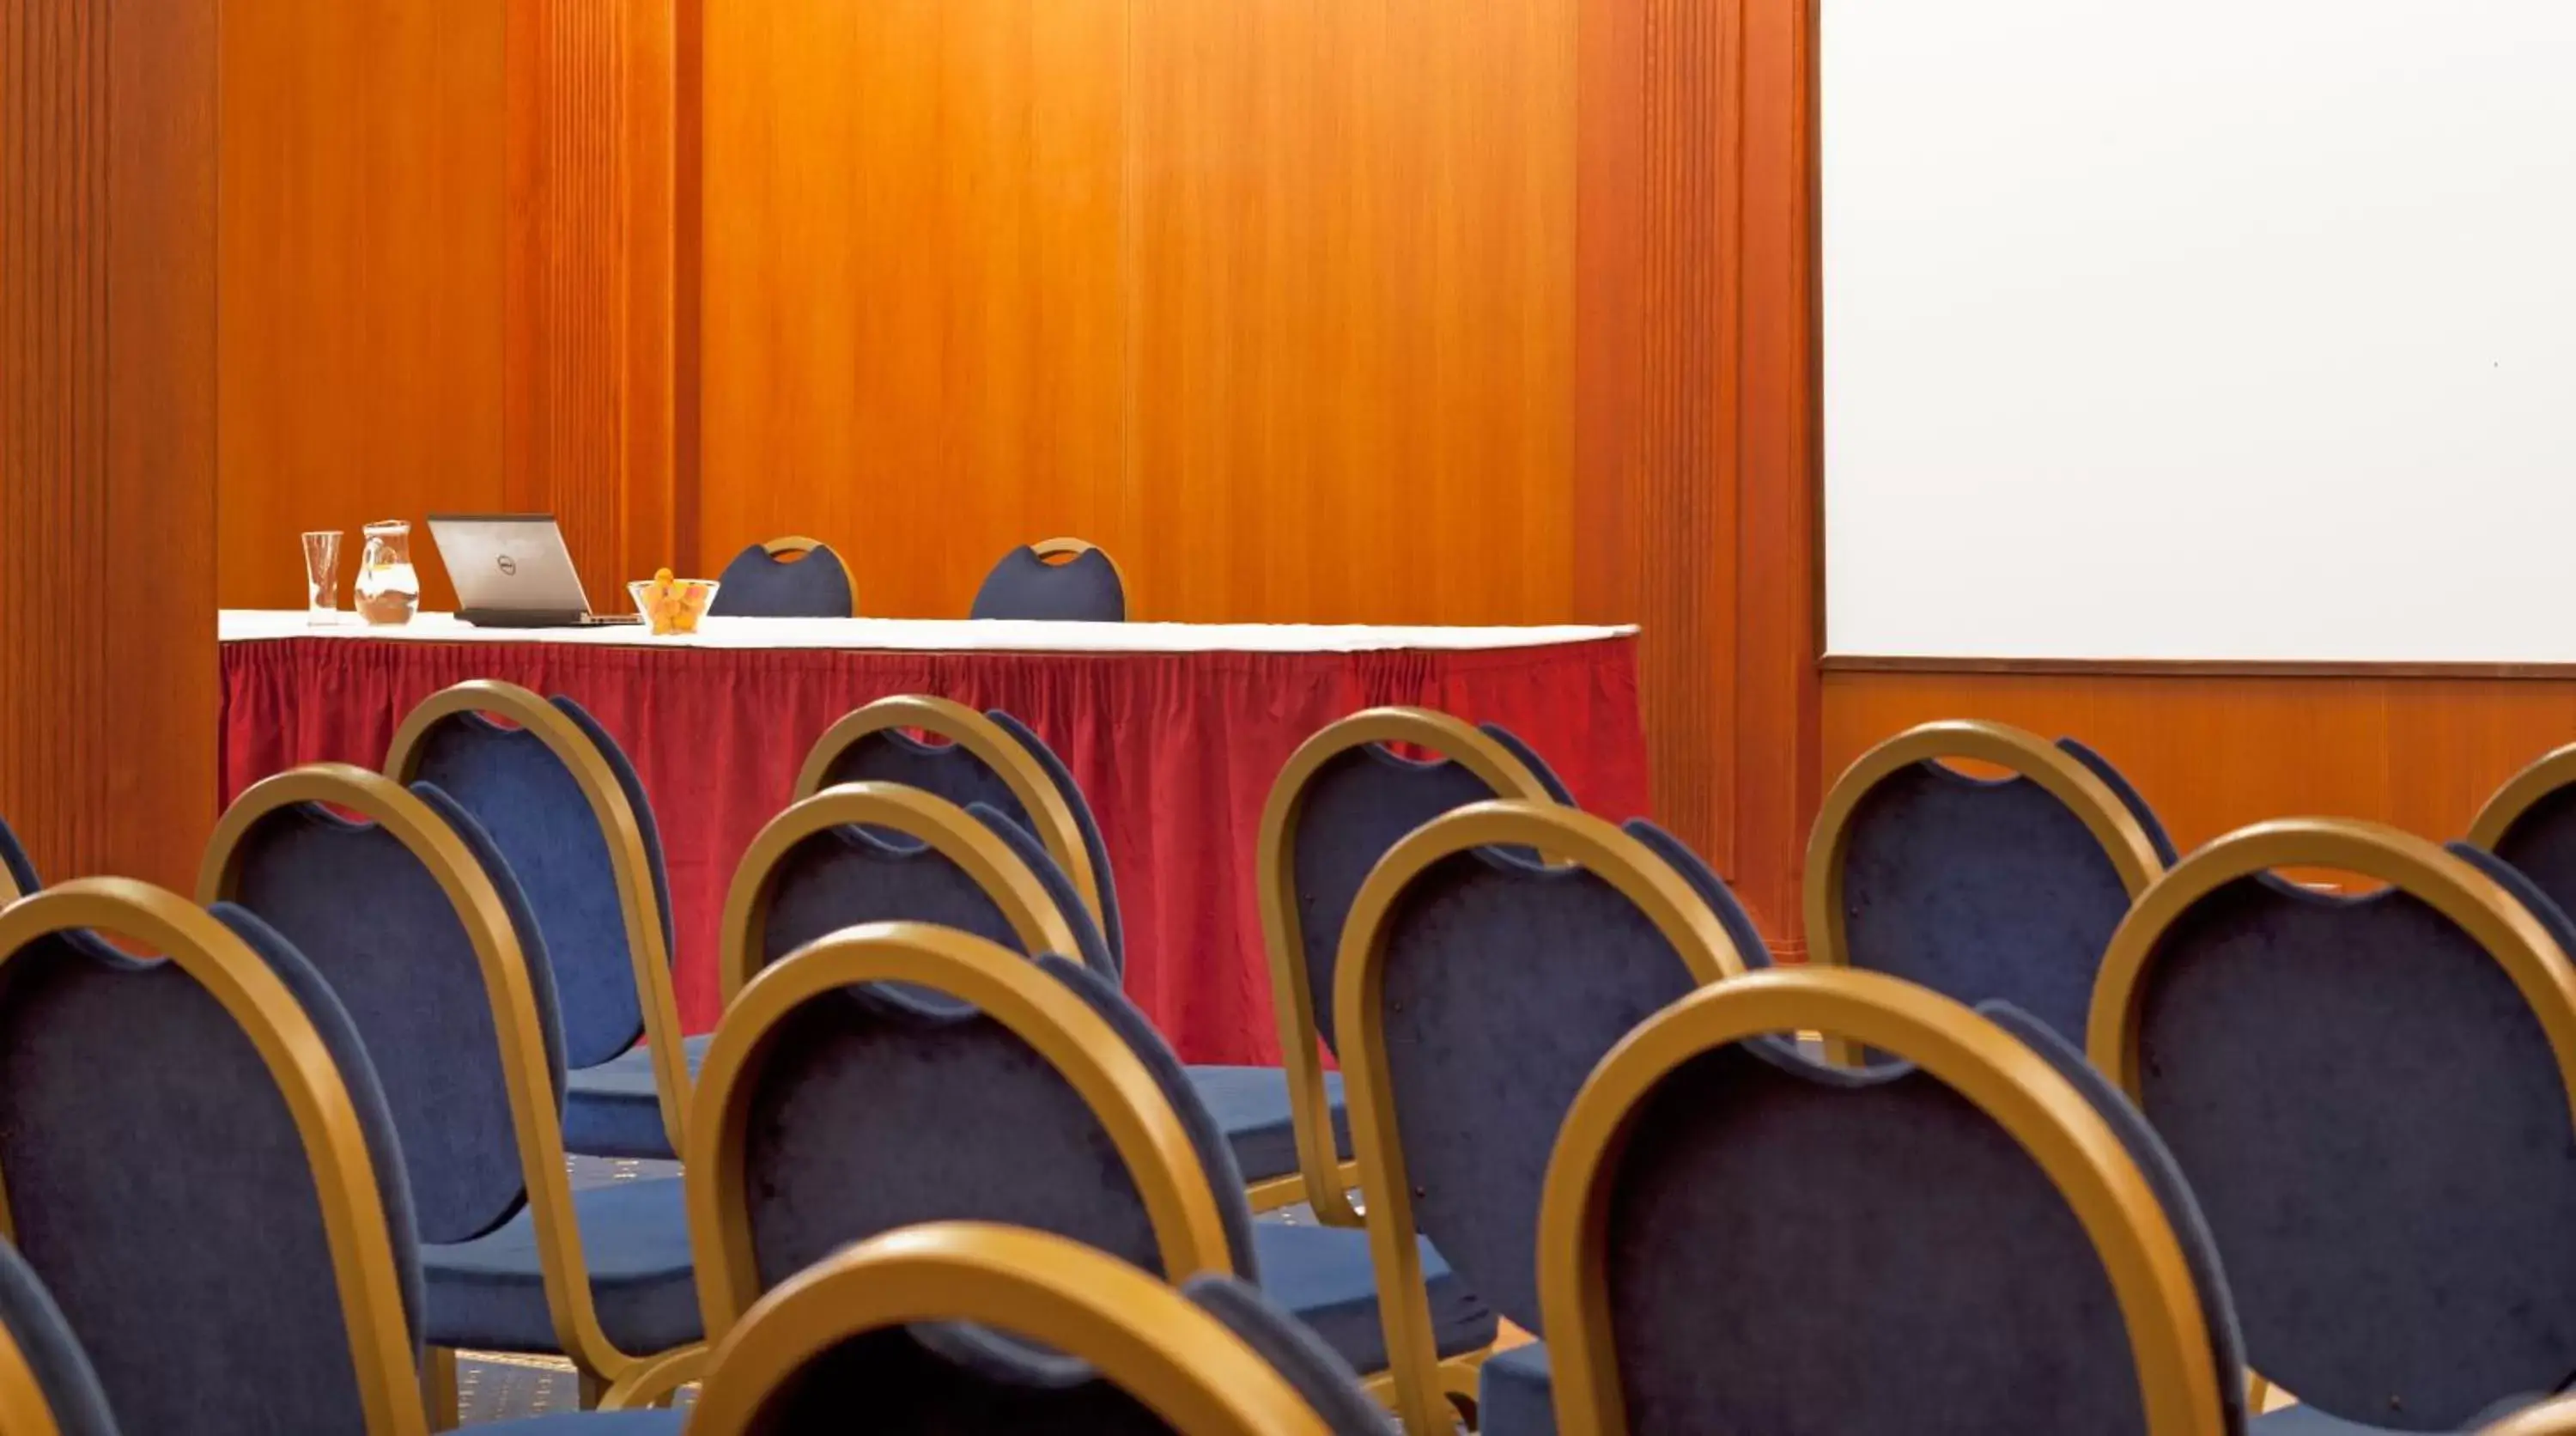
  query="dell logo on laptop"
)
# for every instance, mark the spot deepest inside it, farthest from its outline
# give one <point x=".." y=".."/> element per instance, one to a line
<point x="509" y="566"/>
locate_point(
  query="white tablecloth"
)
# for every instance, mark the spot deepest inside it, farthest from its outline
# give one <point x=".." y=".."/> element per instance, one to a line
<point x="237" y="625"/>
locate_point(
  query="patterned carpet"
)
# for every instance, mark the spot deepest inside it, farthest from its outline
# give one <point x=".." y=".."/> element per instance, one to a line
<point x="492" y="1386"/>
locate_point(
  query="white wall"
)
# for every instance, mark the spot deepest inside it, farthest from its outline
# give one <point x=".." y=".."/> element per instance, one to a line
<point x="2231" y="329"/>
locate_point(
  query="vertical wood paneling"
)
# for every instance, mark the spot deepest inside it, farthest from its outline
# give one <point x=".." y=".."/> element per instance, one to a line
<point x="1353" y="284"/>
<point x="362" y="267"/>
<point x="107" y="291"/>
<point x="1275" y="300"/>
<point x="1695" y="395"/>
<point x="587" y="407"/>
<point x="913" y="328"/>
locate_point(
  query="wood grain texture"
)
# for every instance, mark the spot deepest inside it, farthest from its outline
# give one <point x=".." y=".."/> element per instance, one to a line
<point x="362" y="271"/>
<point x="2215" y="753"/>
<point x="1696" y="419"/>
<point x="912" y="323"/>
<point x="107" y="432"/>
<point x="587" y="397"/>
<point x="1272" y="300"/>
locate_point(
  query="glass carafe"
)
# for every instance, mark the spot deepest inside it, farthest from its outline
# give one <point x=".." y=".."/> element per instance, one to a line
<point x="388" y="587"/>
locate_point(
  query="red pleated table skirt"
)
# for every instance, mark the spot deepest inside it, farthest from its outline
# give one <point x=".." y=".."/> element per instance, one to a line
<point x="1176" y="751"/>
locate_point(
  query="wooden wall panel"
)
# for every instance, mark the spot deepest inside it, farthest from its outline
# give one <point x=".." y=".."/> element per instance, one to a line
<point x="2215" y="753"/>
<point x="1274" y="300"/>
<point x="1696" y="418"/>
<point x="362" y="263"/>
<point x="587" y="391"/>
<point x="913" y="328"/>
<point x="1353" y="260"/>
<point x="107" y="432"/>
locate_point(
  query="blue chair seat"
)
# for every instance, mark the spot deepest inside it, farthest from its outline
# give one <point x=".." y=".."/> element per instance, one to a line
<point x="614" y="1109"/>
<point x="1515" y="1396"/>
<point x="1323" y="1276"/>
<point x="488" y="1294"/>
<point x="1250" y="1105"/>
<point x="2308" y="1421"/>
<point x="591" y="1423"/>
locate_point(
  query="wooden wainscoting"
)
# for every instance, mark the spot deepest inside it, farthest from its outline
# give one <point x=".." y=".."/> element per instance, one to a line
<point x="2214" y="752"/>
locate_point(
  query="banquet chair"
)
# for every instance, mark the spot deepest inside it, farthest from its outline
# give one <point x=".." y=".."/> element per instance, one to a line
<point x="559" y="798"/>
<point x="883" y="852"/>
<point x="899" y="1073"/>
<point x="17" y="871"/>
<point x="989" y="758"/>
<point x="1343" y="799"/>
<point x="1029" y="584"/>
<point x="785" y="578"/>
<point x="46" y="1385"/>
<point x="226" y="1223"/>
<point x="1980" y="889"/>
<point x="412" y="915"/>
<point x="1475" y="991"/>
<point x="1980" y="1238"/>
<point x="2531" y="823"/>
<point x="2370" y="1096"/>
<point x="1207" y="1358"/>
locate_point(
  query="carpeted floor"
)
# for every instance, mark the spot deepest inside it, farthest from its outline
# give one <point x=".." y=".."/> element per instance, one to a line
<point x="492" y="1386"/>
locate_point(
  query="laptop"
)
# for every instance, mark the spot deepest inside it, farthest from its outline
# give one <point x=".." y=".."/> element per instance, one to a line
<point x="513" y="571"/>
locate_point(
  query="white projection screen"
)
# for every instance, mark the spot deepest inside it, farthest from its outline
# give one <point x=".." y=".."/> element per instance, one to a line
<point x="2200" y="330"/>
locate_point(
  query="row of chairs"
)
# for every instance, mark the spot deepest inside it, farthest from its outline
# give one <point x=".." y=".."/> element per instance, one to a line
<point x="1652" y="1207"/>
<point x="1060" y="579"/>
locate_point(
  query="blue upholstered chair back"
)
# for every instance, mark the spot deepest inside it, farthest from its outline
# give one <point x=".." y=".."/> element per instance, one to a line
<point x="1085" y="589"/>
<point x="30" y="1322"/>
<point x="372" y="918"/>
<point x="851" y="875"/>
<point x="535" y="812"/>
<point x="1984" y="889"/>
<point x="158" y="1180"/>
<point x="872" y="1108"/>
<point x="2376" y="1125"/>
<point x="1801" y="1247"/>
<point x="1357" y="805"/>
<point x="15" y="864"/>
<point x="955" y="773"/>
<point x="909" y="1387"/>
<point x="760" y="584"/>
<point x="1505" y="983"/>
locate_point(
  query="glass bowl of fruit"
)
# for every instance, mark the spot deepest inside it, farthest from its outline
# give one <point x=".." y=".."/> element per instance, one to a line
<point x="672" y="605"/>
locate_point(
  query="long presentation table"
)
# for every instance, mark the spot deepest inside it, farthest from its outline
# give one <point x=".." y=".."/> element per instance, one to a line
<point x="1175" y="731"/>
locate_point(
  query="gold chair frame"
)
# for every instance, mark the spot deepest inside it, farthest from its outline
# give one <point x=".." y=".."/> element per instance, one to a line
<point x="1359" y="986"/>
<point x="2520" y="794"/>
<point x="1069" y="547"/>
<point x="316" y="1096"/>
<point x="986" y="742"/>
<point x="620" y="827"/>
<point x="1055" y="1023"/>
<point x="2123" y="838"/>
<point x="24" y="1411"/>
<point x="926" y="817"/>
<point x="2052" y="1121"/>
<point x="609" y="1376"/>
<point x="2493" y="918"/>
<point x="1144" y="1336"/>
<point x="1322" y="1179"/>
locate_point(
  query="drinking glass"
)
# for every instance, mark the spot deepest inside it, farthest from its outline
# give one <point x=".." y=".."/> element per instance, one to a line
<point x="322" y="577"/>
